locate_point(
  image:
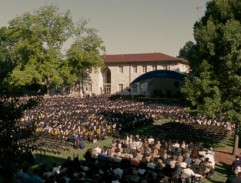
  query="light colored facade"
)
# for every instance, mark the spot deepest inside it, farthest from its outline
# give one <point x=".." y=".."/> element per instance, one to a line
<point x="122" y="69"/>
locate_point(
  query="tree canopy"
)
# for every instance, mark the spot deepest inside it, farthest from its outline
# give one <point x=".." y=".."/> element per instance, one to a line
<point x="33" y="45"/>
<point x="214" y="83"/>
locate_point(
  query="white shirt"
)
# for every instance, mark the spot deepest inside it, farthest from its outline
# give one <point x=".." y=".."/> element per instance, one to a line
<point x="211" y="159"/>
<point x="98" y="150"/>
<point x="190" y="172"/>
<point x="133" y="145"/>
<point x="150" y="140"/>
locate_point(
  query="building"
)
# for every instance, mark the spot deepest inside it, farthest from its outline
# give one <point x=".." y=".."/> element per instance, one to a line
<point x="149" y="74"/>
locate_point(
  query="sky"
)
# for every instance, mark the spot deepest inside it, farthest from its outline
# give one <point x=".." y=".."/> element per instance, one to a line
<point x="125" y="26"/>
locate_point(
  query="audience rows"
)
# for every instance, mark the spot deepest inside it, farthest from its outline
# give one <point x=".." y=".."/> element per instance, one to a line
<point x="134" y="159"/>
<point x="173" y="152"/>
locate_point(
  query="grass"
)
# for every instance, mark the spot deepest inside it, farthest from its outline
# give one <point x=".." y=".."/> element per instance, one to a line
<point x="220" y="174"/>
<point x="221" y="168"/>
<point x="49" y="158"/>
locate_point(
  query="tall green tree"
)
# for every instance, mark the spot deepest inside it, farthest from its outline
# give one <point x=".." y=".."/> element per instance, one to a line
<point x="35" y="46"/>
<point x="214" y="83"/>
<point x="35" y="43"/>
<point x="84" y="54"/>
<point x="16" y="140"/>
<point x="6" y="65"/>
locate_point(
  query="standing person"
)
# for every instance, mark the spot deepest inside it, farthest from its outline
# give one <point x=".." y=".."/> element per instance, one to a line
<point x="211" y="158"/>
<point x="236" y="163"/>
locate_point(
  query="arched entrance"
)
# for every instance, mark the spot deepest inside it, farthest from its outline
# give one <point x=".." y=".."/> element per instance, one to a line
<point x="159" y="83"/>
<point x="106" y="81"/>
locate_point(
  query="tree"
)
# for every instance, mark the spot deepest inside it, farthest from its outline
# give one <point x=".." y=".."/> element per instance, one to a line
<point x="35" y="43"/>
<point x="6" y="65"/>
<point x="16" y="139"/>
<point x="84" y="54"/>
<point x="214" y="83"/>
<point x="31" y="59"/>
<point x="35" y="46"/>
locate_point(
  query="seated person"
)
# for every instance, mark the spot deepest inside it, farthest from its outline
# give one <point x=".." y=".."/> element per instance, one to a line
<point x="188" y="174"/>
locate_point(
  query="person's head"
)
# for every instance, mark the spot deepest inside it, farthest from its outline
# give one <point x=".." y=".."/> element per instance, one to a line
<point x="187" y="155"/>
<point x="135" y="172"/>
<point x="189" y="165"/>
<point x="237" y="157"/>
<point x="177" y="164"/>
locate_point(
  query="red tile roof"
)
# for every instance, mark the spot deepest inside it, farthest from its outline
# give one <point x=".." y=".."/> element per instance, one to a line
<point x="140" y="57"/>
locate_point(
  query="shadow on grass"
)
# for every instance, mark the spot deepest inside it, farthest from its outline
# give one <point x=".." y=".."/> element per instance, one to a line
<point x="229" y="141"/>
<point x="222" y="172"/>
<point x="223" y="168"/>
<point x="44" y="162"/>
<point x="47" y="159"/>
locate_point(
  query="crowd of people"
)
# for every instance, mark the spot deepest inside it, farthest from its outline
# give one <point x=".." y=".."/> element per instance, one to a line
<point x="137" y="158"/>
<point x="87" y="119"/>
<point x="63" y="119"/>
<point x="133" y="159"/>
<point x="94" y="118"/>
<point x="185" y="117"/>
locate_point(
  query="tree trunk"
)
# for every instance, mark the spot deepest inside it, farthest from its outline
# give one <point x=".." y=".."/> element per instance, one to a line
<point x="236" y="139"/>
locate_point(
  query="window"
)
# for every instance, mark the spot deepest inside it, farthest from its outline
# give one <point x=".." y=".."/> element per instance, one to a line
<point x="90" y="70"/>
<point x="120" y="69"/>
<point x="120" y="87"/>
<point x="134" y="88"/>
<point x="154" y="67"/>
<point x="144" y="69"/>
<point x="134" y="69"/>
<point x="90" y="87"/>
<point x="107" y="90"/>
